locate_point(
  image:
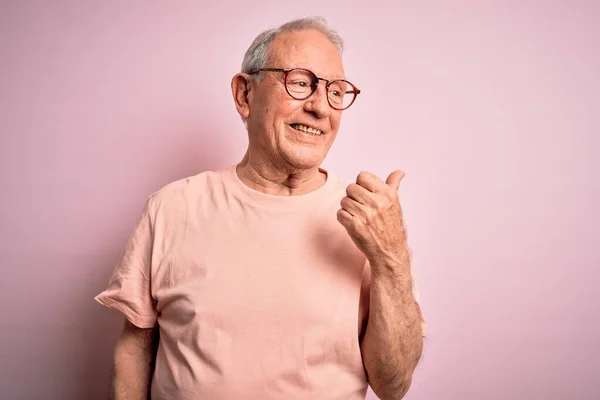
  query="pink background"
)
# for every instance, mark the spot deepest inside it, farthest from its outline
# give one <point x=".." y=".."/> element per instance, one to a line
<point x="492" y="109"/>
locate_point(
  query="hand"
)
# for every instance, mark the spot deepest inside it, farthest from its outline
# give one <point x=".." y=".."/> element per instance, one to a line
<point x="372" y="215"/>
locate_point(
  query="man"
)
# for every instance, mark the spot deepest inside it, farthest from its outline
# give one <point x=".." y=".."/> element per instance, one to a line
<point x="271" y="279"/>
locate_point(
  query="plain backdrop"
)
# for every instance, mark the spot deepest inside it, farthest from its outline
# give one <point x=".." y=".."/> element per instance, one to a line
<point x="491" y="107"/>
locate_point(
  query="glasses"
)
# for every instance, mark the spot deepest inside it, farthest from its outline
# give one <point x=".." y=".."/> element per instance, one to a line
<point x="301" y="83"/>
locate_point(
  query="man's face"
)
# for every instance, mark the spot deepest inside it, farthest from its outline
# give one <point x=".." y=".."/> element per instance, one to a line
<point x="274" y="115"/>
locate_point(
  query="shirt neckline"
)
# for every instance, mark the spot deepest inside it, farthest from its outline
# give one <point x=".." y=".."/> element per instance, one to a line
<point x="276" y="201"/>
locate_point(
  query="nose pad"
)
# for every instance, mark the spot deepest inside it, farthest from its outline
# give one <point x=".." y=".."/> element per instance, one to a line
<point x="314" y="86"/>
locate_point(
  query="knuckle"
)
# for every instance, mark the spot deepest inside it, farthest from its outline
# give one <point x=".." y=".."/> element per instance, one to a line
<point x="389" y="197"/>
<point x="370" y="215"/>
<point x="362" y="176"/>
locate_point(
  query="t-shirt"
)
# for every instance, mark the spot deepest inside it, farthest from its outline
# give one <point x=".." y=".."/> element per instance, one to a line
<point x="256" y="296"/>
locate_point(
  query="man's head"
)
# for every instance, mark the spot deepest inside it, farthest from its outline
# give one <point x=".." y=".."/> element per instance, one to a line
<point x="277" y="117"/>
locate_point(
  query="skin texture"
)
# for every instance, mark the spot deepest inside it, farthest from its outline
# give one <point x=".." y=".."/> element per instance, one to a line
<point x="393" y="340"/>
<point x="281" y="160"/>
<point x="134" y="358"/>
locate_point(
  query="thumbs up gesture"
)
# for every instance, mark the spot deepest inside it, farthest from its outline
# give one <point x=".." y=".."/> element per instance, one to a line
<point x="372" y="215"/>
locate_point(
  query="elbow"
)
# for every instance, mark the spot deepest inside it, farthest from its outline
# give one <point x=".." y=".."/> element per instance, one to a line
<point x="392" y="390"/>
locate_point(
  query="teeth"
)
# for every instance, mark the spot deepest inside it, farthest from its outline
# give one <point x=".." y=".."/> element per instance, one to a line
<point x="306" y="129"/>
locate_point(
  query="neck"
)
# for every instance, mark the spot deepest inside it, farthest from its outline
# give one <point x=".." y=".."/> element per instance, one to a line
<point x="281" y="181"/>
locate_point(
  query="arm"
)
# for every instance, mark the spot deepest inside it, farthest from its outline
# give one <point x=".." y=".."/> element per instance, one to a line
<point x="393" y="341"/>
<point x="134" y="357"/>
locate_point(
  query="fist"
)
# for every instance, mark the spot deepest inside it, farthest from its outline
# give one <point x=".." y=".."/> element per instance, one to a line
<point x="372" y="216"/>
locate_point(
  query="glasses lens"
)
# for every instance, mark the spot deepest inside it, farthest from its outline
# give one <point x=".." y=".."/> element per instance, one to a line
<point x="300" y="83"/>
<point x="341" y="94"/>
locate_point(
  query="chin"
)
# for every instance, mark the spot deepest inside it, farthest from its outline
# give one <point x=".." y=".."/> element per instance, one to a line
<point x="305" y="160"/>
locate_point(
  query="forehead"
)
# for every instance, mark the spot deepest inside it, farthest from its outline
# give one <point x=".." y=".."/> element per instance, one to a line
<point x="306" y="49"/>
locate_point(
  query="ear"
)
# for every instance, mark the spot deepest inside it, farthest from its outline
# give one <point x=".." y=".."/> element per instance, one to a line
<point x="241" y="90"/>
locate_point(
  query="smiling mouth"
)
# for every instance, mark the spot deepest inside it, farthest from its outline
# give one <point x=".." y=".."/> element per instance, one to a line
<point x="306" y="129"/>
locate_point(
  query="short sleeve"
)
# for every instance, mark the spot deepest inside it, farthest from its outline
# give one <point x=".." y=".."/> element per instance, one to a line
<point x="129" y="288"/>
<point x="366" y="288"/>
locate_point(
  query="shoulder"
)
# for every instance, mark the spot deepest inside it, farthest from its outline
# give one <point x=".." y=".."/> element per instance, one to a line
<point x="337" y="184"/>
<point x="179" y="194"/>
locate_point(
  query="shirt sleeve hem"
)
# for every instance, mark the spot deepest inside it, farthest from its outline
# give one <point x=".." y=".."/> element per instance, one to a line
<point x="141" y="321"/>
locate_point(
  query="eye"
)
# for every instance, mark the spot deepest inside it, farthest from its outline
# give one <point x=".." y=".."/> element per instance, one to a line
<point x="299" y="83"/>
<point x="337" y="89"/>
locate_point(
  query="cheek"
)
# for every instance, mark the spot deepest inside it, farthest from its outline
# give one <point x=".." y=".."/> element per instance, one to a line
<point x="335" y="122"/>
<point x="288" y="106"/>
<point x="279" y="109"/>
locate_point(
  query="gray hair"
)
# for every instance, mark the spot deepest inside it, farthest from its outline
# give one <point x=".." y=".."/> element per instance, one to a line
<point x="257" y="54"/>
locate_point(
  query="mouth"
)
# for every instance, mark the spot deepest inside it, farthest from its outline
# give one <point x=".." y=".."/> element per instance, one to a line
<point x="306" y="129"/>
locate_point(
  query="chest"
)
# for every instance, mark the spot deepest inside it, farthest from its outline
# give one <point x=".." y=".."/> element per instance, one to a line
<point x="256" y="272"/>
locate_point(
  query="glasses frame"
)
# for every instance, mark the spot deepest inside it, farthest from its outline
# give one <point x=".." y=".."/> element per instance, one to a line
<point x="286" y="72"/>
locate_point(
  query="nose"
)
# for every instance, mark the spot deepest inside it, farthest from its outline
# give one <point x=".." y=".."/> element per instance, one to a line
<point x="317" y="103"/>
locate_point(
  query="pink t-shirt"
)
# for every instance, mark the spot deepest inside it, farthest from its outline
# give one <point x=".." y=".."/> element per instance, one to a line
<point x="256" y="296"/>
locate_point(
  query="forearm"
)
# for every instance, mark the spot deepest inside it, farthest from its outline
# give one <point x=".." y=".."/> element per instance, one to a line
<point x="393" y="341"/>
<point x="134" y="365"/>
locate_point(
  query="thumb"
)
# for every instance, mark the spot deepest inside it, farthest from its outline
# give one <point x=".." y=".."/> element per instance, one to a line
<point x="394" y="179"/>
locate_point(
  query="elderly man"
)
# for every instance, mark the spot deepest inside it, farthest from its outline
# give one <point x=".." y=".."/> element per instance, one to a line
<point x="271" y="279"/>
